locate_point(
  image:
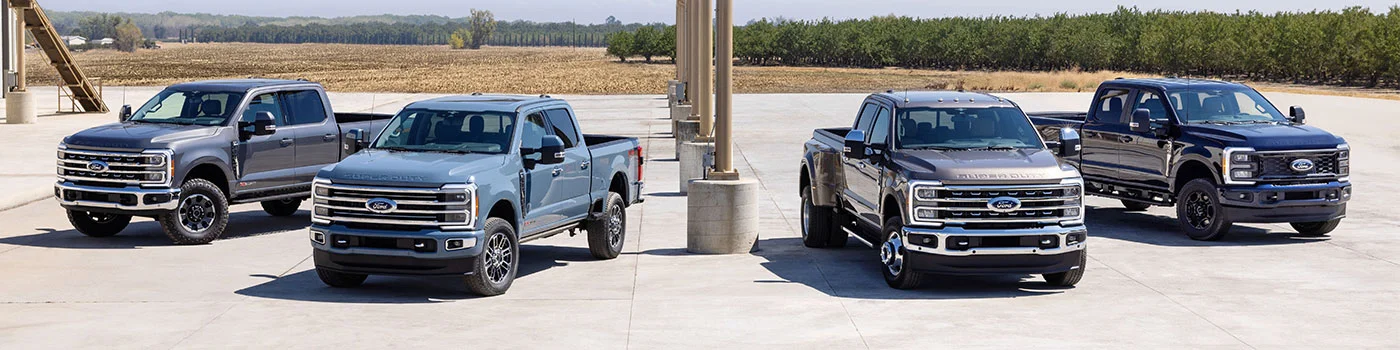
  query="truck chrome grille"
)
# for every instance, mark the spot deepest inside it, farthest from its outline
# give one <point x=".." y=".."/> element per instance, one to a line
<point x="393" y="208"/>
<point x="1028" y="204"/>
<point x="113" y="169"/>
<point x="1278" y="166"/>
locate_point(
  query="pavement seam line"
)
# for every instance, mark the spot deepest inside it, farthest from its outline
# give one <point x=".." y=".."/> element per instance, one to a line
<point x="1174" y="301"/>
<point x="637" y="263"/>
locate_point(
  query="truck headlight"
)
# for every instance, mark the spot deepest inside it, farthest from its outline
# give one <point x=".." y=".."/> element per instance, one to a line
<point x="1240" y="166"/>
<point x="161" y="160"/>
<point x="924" y="191"/>
<point x="466" y="196"/>
<point x="1344" y="159"/>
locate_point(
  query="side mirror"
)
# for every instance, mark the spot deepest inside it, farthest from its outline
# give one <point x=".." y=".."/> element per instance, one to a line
<point x="263" y="124"/>
<point x="1296" y="114"/>
<point x="354" y="141"/>
<point x="551" y="150"/>
<point x="1070" y="144"/>
<point x="125" y="113"/>
<point x="855" y="145"/>
<point x="1142" y="121"/>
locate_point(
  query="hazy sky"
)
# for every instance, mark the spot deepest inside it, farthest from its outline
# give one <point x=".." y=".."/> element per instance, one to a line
<point x="595" y="11"/>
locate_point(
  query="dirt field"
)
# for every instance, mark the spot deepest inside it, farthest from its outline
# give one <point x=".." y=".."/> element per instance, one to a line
<point x="437" y="69"/>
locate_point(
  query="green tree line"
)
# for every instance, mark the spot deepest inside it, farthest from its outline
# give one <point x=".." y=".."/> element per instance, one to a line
<point x="648" y="42"/>
<point x="514" y="33"/>
<point x="1352" y="46"/>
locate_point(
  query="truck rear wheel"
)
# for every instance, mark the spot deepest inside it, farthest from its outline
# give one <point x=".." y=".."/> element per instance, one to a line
<point x="98" y="224"/>
<point x="1071" y="277"/>
<point x="1199" y="210"/>
<point x="494" y="269"/>
<point x="607" y="232"/>
<point x="1135" y="206"/>
<point x="1315" y="229"/>
<point x="340" y="279"/>
<point x="819" y="226"/>
<point x="282" y="207"/>
<point x="892" y="256"/>
<point x="200" y="217"/>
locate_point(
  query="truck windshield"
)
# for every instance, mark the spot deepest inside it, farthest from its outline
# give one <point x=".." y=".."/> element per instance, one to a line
<point x="965" y="128"/>
<point x="425" y="130"/>
<point x="188" y="107"/>
<point x="1217" y="106"/>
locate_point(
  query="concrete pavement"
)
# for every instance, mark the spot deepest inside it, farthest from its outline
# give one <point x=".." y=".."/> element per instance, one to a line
<point x="1146" y="285"/>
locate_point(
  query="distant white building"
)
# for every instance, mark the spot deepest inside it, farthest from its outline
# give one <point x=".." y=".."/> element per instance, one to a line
<point x="74" y="40"/>
<point x="106" y="41"/>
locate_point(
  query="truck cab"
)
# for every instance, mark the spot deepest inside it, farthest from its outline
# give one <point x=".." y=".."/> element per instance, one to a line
<point x="947" y="183"/>
<point x="454" y="185"/>
<point x="1218" y="151"/>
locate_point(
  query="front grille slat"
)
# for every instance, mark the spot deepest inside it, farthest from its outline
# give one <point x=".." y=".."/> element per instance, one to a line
<point x="1278" y="165"/>
<point x="969" y="205"/>
<point x="121" y="168"/>
<point x="416" y="208"/>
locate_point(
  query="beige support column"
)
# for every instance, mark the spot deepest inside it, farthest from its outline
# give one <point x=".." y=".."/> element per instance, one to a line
<point x="704" y="101"/>
<point x="20" y="84"/>
<point x="724" y="94"/>
<point x="680" y="41"/>
<point x="19" y="104"/>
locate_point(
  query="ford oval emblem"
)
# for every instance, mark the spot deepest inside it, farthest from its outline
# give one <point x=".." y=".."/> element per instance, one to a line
<point x="1302" y="165"/>
<point x="98" y="166"/>
<point x="1004" y="204"/>
<point x="381" y="205"/>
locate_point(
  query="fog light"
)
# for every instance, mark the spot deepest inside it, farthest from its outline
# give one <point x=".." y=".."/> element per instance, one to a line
<point x="318" y="237"/>
<point x="926" y="214"/>
<point x="1242" y="174"/>
<point x="460" y="243"/>
<point x="323" y="211"/>
<point x="1072" y="212"/>
<point x="1074" y="238"/>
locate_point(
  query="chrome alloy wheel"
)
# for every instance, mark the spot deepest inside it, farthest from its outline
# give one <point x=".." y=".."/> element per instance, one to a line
<point x="197" y="213"/>
<point x="499" y="257"/>
<point x="892" y="254"/>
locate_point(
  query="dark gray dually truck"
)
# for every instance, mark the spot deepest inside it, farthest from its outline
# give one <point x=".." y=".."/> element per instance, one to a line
<point x="454" y="185"/>
<point x="195" y="148"/>
<point x="946" y="183"/>
<point x="1218" y="151"/>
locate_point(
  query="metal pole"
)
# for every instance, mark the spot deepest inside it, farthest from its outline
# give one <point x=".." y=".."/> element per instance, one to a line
<point x="692" y="49"/>
<point x="706" y="65"/>
<point x="20" y="83"/>
<point x="724" y="94"/>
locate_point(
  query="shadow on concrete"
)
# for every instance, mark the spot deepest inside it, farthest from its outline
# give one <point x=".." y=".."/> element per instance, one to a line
<point x="306" y="286"/>
<point x="1149" y="228"/>
<point x="666" y="194"/>
<point x="147" y="233"/>
<point x="664" y="160"/>
<point x="854" y="272"/>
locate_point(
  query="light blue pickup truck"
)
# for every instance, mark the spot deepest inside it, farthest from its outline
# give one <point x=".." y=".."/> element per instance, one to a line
<point x="454" y="185"/>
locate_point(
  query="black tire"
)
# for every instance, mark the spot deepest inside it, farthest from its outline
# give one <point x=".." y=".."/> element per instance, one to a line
<point x="282" y="207"/>
<point x="1200" y="213"/>
<point x="1135" y="206"/>
<point x="892" y="257"/>
<point x="819" y="226"/>
<point x="98" y="224"/>
<point x="607" y="234"/>
<point x="494" y="269"/>
<point x="201" y="215"/>
<point x="1071" y="277"/>
<point x="1316" y="229"/>
<point x="340" y="279"/>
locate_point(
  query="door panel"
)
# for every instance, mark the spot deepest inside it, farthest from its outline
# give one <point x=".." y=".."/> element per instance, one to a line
<point x="317" y="142"/>
<point x="541" y="192"/>
<point x="1145" y="156"/>
<point x="266" y="161"/>
<point x="868" y="186"/>
<point x="1103" y="133"/>
<point x="576" y="174"/>
<point x="854" y="169"/>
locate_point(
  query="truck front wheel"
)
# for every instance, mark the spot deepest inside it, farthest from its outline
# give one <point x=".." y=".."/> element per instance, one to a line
<point x="340" y="279"/>
<point x="282" y="207"/>
<point x="819" y="226"/>
<point x="1071" y="277"/>
<point x="892" y="256"/>
<point x="1199" y="210"/>
<point x="1315" y="229"/>
<point x="201" y="215"/>
<point x="98" y="224"/>
<point x="1135" y="206"/>
<point x="494" y="269"/>
<point x="607" y="232"/>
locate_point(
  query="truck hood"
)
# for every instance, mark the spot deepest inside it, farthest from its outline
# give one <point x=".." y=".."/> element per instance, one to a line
<point x="1266" y="137"/>
<point x="1019" y="166"/>
<point x="137" y="136"/>
<point x="410" y="169"/>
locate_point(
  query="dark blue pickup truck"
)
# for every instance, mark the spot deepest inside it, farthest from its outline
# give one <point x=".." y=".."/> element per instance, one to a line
<point x="1218" y="151"/>
<point x="454" y="185"/>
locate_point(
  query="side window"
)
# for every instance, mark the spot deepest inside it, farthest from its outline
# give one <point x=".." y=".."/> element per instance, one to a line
<point x="563" y="126"/>
<point x="304" y="107"/>
<point x="1152" y="102"/>
<point x="533" y="130"/>
<point x="262" y="103"/>
<point x="880" y="131"/>
<point x="867" y="116"/>
<point x="1109" y="108"/>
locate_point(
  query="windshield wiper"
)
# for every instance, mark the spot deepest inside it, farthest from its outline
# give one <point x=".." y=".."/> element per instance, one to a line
<point x="938" y="148"/>
<point x="994" y="148"/>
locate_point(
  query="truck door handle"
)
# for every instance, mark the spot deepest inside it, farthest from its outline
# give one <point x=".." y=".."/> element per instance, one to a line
<point x="558" y="171"/>
<point x="1125" y="139"/>
<point x="286" y="142"/>
<point x="585" y="165"/>
<point x="328" y="137"/>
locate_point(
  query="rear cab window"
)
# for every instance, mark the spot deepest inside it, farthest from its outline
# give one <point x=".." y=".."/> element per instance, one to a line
<point x="1108" y="109"/>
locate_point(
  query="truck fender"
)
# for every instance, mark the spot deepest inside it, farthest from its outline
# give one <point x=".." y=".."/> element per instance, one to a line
<point x="823" y="170"/>
<point x="1195" y="155"/>
<point x="185" y="167"/>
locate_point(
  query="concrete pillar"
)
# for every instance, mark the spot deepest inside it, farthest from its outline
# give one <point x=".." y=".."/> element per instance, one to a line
<point x="20" y="109"/>
<point x="722" y="217"/>
<point x="724" y="95"/>
<point x="679" y="112"/>
<point x="695" y="159"/>
<point x="680" y="41"/>
<point x="704" y="94"/>
<point x="686" y="131"/>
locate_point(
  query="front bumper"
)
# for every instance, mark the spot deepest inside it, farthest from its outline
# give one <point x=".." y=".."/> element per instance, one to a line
<point x="375" y="252"/>
<point x="941" y="253"/>
<point x="120" y="200"/>
<point x="1269" y="203"/>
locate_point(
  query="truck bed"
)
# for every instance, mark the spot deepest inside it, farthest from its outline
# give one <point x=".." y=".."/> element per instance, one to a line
<point x="1048" y="124"/>
<point x="372" y="123"/>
